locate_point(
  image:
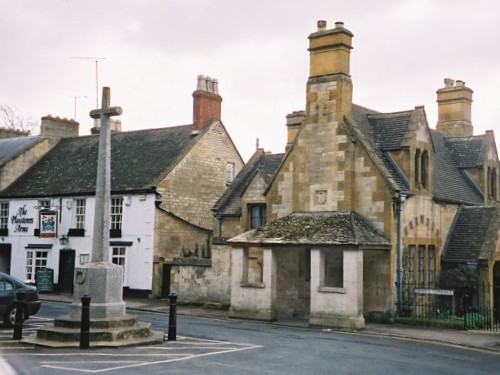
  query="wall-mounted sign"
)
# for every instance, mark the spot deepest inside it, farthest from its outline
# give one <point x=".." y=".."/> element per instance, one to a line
<point x="48" y="224"/>
<point x="21" y="220"/>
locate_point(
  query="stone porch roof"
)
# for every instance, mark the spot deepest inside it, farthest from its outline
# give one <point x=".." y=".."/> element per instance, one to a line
<point x="331" y="228"/>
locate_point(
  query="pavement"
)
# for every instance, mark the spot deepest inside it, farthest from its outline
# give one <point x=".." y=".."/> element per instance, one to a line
<point x="479" y="340"/>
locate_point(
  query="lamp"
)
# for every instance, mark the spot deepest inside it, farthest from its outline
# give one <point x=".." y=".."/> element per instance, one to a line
<point x="63" y="240"/>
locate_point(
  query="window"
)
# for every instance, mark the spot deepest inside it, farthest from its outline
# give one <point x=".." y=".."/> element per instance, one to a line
<point x="421" y="266"/>
<point x="334" y="269"/>
<point x="80" y="213"/>
<point x="44" y="204"/>
<point x="4" y="215"/>
<point x="253" y="267"/>
<point x="116" y="213"/>
<point x="421" y="169"/>
<point x="492" y="183"/>
<point x="229" y="172"/>
<point x="5" y="285"/>
<point x="258" y="215"/>
<point x="35" y="259"/>
<point x="118" y="257"/>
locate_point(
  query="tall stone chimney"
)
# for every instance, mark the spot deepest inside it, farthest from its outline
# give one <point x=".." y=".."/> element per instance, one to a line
<point x="454" y="109"/>
<point x="57" y="127"/>
<point x="206" y="102"/>
<point x="294" y="121"/>
<point x="329" y="88"/>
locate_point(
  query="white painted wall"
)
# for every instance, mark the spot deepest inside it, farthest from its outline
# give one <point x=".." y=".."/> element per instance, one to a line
<point x="137" y="227"/>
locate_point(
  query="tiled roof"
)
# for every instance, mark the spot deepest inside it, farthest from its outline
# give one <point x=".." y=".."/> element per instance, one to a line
<point x="450" y="183"/>
<point x="229" y="204"/>
<point x="10" y="147"/>
<point x="381" y="133"/>
<point x="139" y="160"/>
<point x="384" y="132"/>
<point x="466" y="152"/>
<point x="317" y="228"/>
<point x="473" y="234"/>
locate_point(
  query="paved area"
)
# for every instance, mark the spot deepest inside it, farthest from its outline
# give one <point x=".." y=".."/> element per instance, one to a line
<point x="480" y="340"/>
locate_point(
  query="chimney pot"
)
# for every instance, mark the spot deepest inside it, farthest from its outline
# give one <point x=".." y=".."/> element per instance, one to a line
<point x="448" y="82"/>
<point x="339" y="24"/>
<point x="459" y="83"/>
<point x="321" y="25"/>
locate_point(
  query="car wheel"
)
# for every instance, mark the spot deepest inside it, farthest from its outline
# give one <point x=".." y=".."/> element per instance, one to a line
<point x="9" y="318"/>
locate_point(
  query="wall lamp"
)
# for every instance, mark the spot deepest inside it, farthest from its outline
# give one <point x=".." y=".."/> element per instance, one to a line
<point x="63" y="240"/>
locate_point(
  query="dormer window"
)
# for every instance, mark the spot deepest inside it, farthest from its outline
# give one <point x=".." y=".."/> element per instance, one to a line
<point x="421" y="169"/>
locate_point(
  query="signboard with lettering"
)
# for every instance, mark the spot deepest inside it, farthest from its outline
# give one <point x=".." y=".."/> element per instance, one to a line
<point x="440" y="292"/>
<point x="45" y="279"/>
<point x="21" y="220"/>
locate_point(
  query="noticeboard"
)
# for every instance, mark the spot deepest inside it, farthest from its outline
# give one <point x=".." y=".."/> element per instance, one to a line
<point x="45" y="279"/>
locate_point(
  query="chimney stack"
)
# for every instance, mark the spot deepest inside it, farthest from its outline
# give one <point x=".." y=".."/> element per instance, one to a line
<point x="57" y="127"/>
<point x="294" y="121"/>
<point x="454" y="109"/>
<point x="329" y="88"/>
<point x="206" y="102"/>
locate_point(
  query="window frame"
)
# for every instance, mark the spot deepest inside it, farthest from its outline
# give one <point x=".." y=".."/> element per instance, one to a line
<point x="35" y="259"/>
<point x="261" y="216"/>
<point x="80" y="212"/>
<point x="229" y="172"/>
<point x="120" y="259"/>
<point x="4" y="214"/>
<point x="116" y="213"/>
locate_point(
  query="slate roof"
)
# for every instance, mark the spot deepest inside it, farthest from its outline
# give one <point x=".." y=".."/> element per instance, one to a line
<point x="467" y="152"/>
<point x="381" y="133"/>
<point x="229" y="204"/>
<point x="11" y="147"/>
<point x="317" y="228"/>
<point x="139" y="161"/>
<point x="472" y="235"/>
<point x="450" y="183"/>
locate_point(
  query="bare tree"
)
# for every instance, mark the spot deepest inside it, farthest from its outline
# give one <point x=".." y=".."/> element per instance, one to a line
<point x="13" y="118"/>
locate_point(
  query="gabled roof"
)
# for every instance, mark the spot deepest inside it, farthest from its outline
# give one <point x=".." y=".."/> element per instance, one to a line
<point x="467" y="152"/>
<point x="139" y="161"/>
<point x="381" y="133"/>
<point x="472" y="235"/>
<point x="11" y="147"/>
<point x="378" y="135"/>
<point x="266" y="165"/>
<point x="317" y="228"/>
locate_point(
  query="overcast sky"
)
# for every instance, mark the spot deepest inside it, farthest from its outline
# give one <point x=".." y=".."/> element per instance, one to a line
<point x="150" y="53"/>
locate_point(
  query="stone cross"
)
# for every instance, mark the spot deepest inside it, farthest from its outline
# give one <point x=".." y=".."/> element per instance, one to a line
<point x="102" y="213"/>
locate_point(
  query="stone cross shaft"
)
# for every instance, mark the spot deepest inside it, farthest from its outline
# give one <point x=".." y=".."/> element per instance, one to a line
<point x="102" y="213"/>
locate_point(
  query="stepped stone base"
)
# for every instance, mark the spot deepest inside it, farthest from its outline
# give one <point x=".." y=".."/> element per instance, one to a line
<point x="113" y="332"/>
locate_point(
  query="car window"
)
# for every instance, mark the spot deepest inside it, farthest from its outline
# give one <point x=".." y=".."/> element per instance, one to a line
<point x="5" y="285"/>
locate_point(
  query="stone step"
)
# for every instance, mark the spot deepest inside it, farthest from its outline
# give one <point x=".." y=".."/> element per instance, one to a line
<point x="52" y="333"/>
<point x="121" y="322"/>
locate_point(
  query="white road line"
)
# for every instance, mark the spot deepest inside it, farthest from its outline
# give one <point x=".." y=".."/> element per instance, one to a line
<point x="153" y="363"/>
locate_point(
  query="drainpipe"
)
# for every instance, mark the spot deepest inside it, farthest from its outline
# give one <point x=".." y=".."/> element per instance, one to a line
<point x="399" y="199"/>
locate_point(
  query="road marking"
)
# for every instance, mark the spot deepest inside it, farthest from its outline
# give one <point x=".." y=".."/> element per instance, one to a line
<point x="186" y="348"/>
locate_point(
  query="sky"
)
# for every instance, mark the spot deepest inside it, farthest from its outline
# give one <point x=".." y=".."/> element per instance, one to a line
<point x="150" y="52"/>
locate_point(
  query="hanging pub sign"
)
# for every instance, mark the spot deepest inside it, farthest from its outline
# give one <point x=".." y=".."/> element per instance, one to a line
<point x="48" y="224"/>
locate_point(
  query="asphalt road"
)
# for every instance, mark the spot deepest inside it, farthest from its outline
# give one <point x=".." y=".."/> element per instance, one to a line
<point x="210" y="346"/>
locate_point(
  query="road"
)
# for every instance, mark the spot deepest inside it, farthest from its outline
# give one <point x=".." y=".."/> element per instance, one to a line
<point x="210" y="346"/>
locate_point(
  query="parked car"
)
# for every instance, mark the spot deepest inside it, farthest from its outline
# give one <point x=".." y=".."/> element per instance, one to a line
<point x="9" y="287"/>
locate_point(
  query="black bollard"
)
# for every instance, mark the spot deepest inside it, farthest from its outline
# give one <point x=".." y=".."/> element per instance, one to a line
<point x="18" y="323"/>
<point x="85" y="323"/>
<point x="172" y="318"/>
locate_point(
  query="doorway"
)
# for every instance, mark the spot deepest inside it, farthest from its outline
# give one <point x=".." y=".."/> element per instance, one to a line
<point x="5" y="257"/>
<point x="66" y="270"/>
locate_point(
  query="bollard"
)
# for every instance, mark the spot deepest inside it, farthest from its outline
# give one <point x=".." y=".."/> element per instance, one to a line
<point x="18" y="323"/>
<point x="85" y="323"/>
<point x="172" y="318"/>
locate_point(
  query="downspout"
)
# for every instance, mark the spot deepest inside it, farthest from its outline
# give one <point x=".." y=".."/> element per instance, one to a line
<point x="399" y="200"/>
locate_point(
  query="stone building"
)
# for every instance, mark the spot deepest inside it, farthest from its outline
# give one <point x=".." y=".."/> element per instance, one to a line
<point x="164" y="183"/>
<point x="365" y="203"/>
